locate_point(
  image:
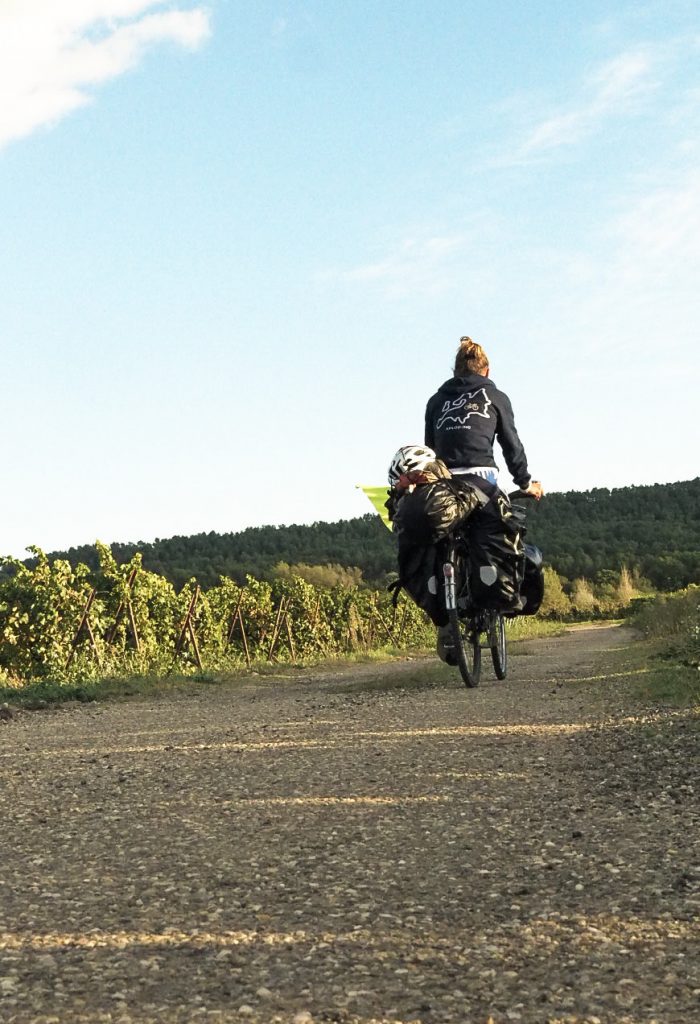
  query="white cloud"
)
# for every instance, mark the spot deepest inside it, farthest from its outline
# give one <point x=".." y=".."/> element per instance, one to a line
<point x="652" y="277"/>
<point x="612" y="90"/>
<point x="631" y="298"/>
<point x="53" y="53"/>
<point x="410" y="257"/>
<point x="662" y="228"/>
<point x="427" y="264"/>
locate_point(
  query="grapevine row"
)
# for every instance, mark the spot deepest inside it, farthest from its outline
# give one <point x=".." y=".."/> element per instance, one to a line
<point x="62" y="623"/>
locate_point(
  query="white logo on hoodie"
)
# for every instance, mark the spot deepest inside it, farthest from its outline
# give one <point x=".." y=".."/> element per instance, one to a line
<point x="468" y="404"/>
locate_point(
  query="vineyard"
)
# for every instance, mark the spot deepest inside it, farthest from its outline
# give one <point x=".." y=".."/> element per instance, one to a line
<point x="63" y="624"/>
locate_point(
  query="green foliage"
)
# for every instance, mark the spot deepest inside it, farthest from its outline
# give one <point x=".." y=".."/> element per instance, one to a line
<point x="362" y="544"/>
<point x="674" y="620"/>
<point x="40" y="609"/>
<point x="666" y="658"/>
<point x="287" y="593"/>
<point x="136" y="616"/>
<point x="583" y="599"/>
<point x="321" y="575"/>
<point x="610" y="595"/>
<point x="556" y="603"/>
<point x="528" y="627"/>
<point x="651" y="530"/>
<point x="625" y="589"/>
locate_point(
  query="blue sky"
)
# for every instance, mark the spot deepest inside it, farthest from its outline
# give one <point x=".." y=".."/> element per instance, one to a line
<point x="239" y="244"/>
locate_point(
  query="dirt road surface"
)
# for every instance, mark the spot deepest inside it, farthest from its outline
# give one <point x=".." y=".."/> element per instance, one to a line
<point x="317" y="849"/>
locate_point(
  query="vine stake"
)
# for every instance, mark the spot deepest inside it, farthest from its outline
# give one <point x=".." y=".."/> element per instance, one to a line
<point x="276" y="629"/>
<point x="238" y="618"/>
<point x="126" y="605"/>
<point x="84" y="625"/>
<point x="188" y="629"/>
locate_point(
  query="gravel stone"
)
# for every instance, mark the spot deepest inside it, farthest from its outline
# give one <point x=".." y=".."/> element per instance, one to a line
<point x="369" y="844"/>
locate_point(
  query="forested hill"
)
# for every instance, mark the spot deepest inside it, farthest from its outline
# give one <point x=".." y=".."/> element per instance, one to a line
<point x="653" y="529"/>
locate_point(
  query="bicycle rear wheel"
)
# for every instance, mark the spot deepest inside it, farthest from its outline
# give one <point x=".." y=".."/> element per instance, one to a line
<point x="498" y="644"/>
<point x="467" y="648"/>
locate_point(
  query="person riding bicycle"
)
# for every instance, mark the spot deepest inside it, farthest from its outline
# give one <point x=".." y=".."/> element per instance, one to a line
<point x="464" y="417"/>
<point x="462" y="420"/>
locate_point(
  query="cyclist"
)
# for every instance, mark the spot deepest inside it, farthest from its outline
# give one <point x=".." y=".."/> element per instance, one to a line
<point x="464" y="417"/>
<point x="462" y="420"/>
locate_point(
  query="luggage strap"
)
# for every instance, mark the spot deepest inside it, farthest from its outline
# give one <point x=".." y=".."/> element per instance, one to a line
<point x="397" y="587"/>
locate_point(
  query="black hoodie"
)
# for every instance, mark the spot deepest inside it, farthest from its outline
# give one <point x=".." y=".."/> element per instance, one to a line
<point x="462" y="419"/>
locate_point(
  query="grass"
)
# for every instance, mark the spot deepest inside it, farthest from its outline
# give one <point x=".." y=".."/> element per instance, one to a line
<point x="671" y="651"/>
<point x="34" y="696"/>
<point x="38" y="695"/>
<point x="530" y="628"/>
<point x="666" y="682"/>
<point x="654" y="677"/>
<point x="674" y="684"/>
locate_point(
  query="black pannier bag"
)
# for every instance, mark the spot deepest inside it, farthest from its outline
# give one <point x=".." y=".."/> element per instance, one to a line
<point x="532" y="587"/>
<point x="419" y="573"/>
<point x="497" y="550"/>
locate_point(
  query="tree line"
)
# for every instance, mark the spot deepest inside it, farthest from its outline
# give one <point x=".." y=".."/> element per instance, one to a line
<point x="650" y="531"/>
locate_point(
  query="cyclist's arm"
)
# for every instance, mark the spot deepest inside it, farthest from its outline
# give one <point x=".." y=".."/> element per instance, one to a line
<point x="511" y="445"/>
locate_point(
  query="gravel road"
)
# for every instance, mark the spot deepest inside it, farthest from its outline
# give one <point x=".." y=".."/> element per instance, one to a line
<point x="317" y="848"/>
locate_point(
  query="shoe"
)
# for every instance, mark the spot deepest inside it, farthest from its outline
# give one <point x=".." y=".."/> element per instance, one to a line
<point x="445" y="647"/>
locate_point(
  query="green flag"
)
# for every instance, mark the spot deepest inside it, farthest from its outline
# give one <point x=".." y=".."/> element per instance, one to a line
<point x="377" y="496"/>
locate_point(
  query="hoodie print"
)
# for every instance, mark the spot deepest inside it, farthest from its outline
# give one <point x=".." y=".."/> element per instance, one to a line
<point x="454" y="415"/>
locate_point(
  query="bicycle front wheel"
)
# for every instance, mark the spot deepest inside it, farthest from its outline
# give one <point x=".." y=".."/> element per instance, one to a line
<point x="498" y="645"/>
<point x="467" y="648"/>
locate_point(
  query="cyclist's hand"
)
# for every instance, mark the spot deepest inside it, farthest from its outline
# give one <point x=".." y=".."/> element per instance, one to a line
<point x="535" y="489"/>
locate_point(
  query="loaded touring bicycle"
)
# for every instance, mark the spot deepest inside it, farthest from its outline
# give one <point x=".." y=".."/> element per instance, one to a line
<point x="462" y="557"/>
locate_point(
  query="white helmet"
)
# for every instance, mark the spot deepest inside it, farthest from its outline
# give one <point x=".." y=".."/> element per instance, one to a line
<point x="410" y="457"/>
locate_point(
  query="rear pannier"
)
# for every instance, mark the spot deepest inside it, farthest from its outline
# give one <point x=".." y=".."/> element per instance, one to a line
<point x="495" y="540"/>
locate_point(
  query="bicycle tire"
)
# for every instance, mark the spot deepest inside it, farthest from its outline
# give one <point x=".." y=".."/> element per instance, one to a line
<point x="467" y="649"/>
<point x="498" y="644"/>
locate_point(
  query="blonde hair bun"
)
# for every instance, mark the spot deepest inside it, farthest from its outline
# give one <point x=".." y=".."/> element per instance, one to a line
<point x="471" y="358"/>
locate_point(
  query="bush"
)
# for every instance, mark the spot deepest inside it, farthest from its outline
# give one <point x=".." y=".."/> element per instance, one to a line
<point x="556" y="603"/>
<point x="674" y="619"/>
